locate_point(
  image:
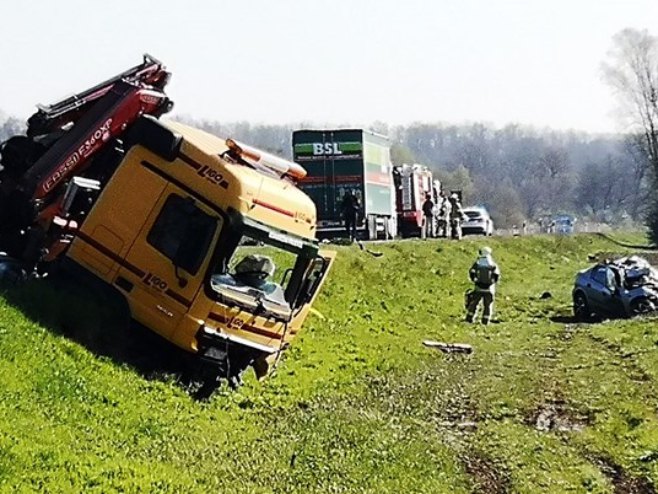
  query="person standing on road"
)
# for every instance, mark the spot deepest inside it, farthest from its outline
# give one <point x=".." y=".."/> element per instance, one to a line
<point x="484" y="274"/>
<point x="350" y="208"/>
<point x="443" y="215"/>
<point x="427" y="228"/>
<point x="456" y="217"/>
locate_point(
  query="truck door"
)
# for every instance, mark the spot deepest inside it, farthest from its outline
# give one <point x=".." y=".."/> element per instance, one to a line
<point x="165" y="264"/>
<point x="317" y="274"/>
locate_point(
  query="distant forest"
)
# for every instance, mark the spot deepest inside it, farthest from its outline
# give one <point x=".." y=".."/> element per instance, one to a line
<point x="519" y="173"/>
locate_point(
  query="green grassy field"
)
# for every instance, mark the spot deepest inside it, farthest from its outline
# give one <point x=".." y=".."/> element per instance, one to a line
<point x="357" y="404"/>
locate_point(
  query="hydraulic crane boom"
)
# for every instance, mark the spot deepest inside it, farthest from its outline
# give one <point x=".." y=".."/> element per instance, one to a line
<point x="50" y="117"/>
<point x="119" y="107"/>
<point x="66" y="139"/>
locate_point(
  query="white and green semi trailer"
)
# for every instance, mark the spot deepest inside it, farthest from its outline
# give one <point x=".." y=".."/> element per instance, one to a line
<point x="338" y="161"/>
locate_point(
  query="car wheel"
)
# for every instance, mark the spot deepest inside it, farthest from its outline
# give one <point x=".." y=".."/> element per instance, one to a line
<point x="641" y="306"/>
<point x="581" y="310"/>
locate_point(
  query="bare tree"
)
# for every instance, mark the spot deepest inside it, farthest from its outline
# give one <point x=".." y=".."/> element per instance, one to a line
<point x="632" y="71"/>
<point x="633" y="158"/>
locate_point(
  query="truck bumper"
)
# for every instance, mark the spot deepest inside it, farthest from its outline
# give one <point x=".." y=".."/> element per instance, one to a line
<point x="213" y="345"/>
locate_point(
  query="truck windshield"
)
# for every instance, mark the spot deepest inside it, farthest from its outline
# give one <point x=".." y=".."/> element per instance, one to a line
<point x="262" y="273"/>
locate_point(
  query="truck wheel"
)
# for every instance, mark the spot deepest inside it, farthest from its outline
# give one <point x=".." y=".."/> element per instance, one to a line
<point x="18" y="154"/>
<point x="11" y="271"/>
<point x="211" y="379"/>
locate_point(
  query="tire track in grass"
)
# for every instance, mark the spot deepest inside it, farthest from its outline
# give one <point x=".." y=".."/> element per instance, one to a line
<point x="553" y="414"/>
<point x="637" y="373"/>
<point x="436" y="403"/>
<point x="622" y="481"/>
<point x="488" y="479"/>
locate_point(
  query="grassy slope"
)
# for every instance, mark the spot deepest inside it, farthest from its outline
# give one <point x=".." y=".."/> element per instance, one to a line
<point x="357" y="404"/>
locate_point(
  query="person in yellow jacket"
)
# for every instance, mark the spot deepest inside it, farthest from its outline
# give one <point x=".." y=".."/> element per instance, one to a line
<point x="484" y="273"/>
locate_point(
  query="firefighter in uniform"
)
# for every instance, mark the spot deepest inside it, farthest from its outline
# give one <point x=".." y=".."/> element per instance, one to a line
<point x="443" y="216"/>
<point x="484" y="274"/>
<point x="456" y="217"/>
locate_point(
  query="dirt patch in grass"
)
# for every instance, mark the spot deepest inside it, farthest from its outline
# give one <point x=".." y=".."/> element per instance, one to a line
<point x="623" y="482"/>
<point x="555" y="416"/>
<point x="487" y="477"/>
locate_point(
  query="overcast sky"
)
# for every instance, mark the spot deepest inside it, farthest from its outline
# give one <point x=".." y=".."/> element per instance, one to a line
<point x="353" y="62"/>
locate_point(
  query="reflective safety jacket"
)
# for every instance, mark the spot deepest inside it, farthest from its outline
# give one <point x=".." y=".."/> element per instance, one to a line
<point x="485" y="274"/>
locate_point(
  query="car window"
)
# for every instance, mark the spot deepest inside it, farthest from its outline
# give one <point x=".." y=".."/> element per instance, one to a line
<point x="611" y="281"/>
<point x="600" y="275"/>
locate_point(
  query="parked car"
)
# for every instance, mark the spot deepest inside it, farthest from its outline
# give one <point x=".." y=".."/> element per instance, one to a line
<point x="478" y="221"/>
<point x="564" y="225"/>
<point x="622" y="288"/>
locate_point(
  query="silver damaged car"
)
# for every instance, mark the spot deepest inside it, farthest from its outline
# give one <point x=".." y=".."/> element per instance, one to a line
<point x="621" y="288"/>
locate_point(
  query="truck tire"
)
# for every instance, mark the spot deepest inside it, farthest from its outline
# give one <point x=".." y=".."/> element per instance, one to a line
<point x="154" y="136"/>
<point x="18" y="154"/>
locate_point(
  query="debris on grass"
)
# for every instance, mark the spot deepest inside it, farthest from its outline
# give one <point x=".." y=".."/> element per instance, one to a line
<point x="466" y="426"/>
<point x="449" y="347"/>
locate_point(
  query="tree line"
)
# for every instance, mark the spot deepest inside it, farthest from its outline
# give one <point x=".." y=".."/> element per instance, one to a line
<point x="519" y="173"/>
<point x="522" y="173"/>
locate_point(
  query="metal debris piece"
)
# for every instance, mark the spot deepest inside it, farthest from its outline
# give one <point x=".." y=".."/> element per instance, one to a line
<point x="449" y="347"/>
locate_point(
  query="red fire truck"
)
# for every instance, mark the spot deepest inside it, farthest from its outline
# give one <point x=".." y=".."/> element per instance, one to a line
<point x="412" y="184"/>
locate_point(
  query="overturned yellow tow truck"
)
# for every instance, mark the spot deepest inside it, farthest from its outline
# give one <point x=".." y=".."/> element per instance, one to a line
<point x="162" y="215"/>
<point x="167" y="233"/>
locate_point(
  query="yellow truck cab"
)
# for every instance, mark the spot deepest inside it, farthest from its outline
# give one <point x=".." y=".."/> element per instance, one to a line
<point x="184" y="208"/>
